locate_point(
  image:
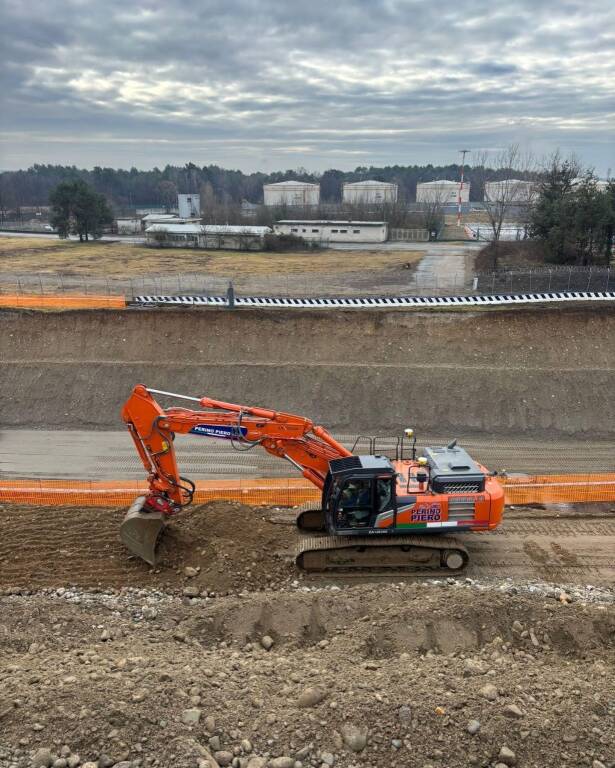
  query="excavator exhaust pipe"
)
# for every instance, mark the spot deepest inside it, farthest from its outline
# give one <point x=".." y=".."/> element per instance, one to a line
<point x="141" y="530"/>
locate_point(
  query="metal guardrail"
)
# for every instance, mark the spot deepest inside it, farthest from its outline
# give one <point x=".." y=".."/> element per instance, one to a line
<point x="418" y="302"/>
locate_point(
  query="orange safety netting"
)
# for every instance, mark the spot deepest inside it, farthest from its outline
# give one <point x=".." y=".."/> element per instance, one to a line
<point x="282" y="491"/>
<point x="520" y="489"/>
<point x="61" y="301"/>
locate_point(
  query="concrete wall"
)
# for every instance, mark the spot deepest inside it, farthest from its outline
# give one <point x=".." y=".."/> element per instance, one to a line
<point x="528" y="371"/>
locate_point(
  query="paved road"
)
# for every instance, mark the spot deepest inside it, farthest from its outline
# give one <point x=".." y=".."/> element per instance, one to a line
<point x="111" y="455"/>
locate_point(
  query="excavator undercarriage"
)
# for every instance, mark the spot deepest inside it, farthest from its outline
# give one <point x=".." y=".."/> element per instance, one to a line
<point x="376" y="513"/>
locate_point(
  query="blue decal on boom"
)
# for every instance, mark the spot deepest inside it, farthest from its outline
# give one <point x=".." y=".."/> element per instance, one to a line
<point x="211" y="430"/>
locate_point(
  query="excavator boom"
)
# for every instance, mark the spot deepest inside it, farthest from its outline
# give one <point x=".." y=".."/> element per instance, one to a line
<point x="308" y="447"/>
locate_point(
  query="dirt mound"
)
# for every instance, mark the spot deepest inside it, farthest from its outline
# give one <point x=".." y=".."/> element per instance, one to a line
<point x="55" y="546"/>
<point x="376" y="676"/>
<point x="447" y="372"/>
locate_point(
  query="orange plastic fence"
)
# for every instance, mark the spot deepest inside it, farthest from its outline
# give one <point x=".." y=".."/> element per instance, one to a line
<point x="521" y="489"/>
<point x="282" y="491"/>
<point x="61" y="301"/>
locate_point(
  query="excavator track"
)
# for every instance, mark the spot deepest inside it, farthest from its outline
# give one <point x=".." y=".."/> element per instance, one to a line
<point x="337" y="553"/>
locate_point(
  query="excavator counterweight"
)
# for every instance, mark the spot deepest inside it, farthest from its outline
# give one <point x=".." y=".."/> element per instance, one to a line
<point x="375" y="513"/>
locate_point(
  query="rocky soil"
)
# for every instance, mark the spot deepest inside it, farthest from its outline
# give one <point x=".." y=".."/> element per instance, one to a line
<point x="225" y="654"/>
<point x="442" y="673"/>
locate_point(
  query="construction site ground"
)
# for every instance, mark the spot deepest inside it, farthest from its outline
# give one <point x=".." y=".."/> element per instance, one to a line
<point x="225" y="652"/>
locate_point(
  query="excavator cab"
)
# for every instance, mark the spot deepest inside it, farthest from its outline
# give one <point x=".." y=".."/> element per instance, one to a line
<point x="360" y="490"/>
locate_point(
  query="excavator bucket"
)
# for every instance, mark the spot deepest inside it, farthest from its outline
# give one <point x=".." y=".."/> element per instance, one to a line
<point x="140" y="531"/>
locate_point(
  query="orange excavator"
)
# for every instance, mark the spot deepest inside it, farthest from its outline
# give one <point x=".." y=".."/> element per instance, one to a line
<point x="376" y="513"/>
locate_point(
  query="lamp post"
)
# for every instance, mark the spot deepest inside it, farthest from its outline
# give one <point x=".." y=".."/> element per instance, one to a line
<point x="463" y="152"/>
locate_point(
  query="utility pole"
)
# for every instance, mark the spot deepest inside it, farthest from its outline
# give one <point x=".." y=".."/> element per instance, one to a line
<point x="463" y="153"/>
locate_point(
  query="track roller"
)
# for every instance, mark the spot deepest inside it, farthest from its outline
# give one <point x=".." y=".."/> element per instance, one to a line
<point x="334" y="553"/>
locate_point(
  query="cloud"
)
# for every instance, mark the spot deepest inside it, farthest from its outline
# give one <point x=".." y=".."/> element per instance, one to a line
<point x="246" y="82"/>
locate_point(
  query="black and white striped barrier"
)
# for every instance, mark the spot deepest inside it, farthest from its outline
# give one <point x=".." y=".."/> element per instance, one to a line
<point x="371" y="303"/>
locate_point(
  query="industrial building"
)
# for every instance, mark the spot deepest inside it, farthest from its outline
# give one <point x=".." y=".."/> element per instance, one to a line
<point x="369" y="192"/>
<point x="189" y="206"/>
<point x="166" y="218"/>
<point x="129" y="225"/>
<point x="218" y="236"/>
<point x="601" y="185"/>
<point x="299" y="193"/>
<point x="443" y="191"/>
<point x="334" y="231"/>
<point x="510" y="190"/>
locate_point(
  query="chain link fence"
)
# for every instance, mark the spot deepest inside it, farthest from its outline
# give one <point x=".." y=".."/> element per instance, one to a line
<point x="365" y="283"/>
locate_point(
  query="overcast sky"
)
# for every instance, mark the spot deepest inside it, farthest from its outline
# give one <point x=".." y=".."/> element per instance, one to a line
<point x="274" y="84"/>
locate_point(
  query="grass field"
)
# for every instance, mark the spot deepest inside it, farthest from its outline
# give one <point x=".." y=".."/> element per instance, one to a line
<point x="38" y="255"/>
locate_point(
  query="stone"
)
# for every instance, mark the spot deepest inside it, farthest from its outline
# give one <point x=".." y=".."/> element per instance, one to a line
<point x="282" y="762"/>
<point x="72" y="761"/>
<point x="267" y="643"/>
<point x="59" y="763"/>
<point x="223" y="757"/>
<point x="89" y="764"/>
<point x="257" y="762"/>
<point x="246" y="745"/>
<point x="404" y="715"/>
<point x="191" y="591"/>
<point x="512" y="710"/>
<point x="42" y="758"/>
<point x="210" y="723"/>
<point x="355" y="737"/>
<point x="396" y="743"/>
<point x="105" y="635"/>
<point x="473" y="727"/>
<point x="191" y="716"/>
<point x="190" y="572"/>
<point x="311" y="696"/>
<point x="598" y="764"/>
<point x="214" y="743"/>
<point x="472" y="668"/>
<point x="507" y="756"/>
<point x="149" y="612"/>
<point x="104" y="761"/>
<point x="489" y="692"/>
<point x="327" y="758"/>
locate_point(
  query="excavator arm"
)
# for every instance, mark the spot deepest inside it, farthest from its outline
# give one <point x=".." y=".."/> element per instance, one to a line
<point x="294" y="438"/>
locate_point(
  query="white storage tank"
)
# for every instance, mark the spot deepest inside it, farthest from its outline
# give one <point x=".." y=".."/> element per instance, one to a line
<point x="510" y="190"/>
<point x="443" y="191"/>
<point x="369" y="192"/>
<point x="299" y="193"/>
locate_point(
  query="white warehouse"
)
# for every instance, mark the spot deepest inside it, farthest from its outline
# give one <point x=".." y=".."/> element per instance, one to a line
<point x="299" y="193"/>
<point x="369" y="192"/>
<point x="334" y="231"/>
<point x="443" y="191"/>
<point x="510" y="190"/>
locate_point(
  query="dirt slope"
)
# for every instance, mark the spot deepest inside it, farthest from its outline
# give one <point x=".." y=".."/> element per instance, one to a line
<point x="548" y="370"/>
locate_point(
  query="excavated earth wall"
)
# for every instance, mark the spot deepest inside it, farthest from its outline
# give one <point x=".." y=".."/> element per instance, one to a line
<point x="544" y="370"/>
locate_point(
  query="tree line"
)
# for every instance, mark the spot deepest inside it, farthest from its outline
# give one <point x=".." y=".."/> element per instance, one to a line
<point x="129" y="189"/>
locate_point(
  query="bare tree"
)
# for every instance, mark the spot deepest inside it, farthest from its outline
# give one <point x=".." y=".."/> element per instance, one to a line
<point x="433" y="210"/>
<point x="511" y="191"/>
